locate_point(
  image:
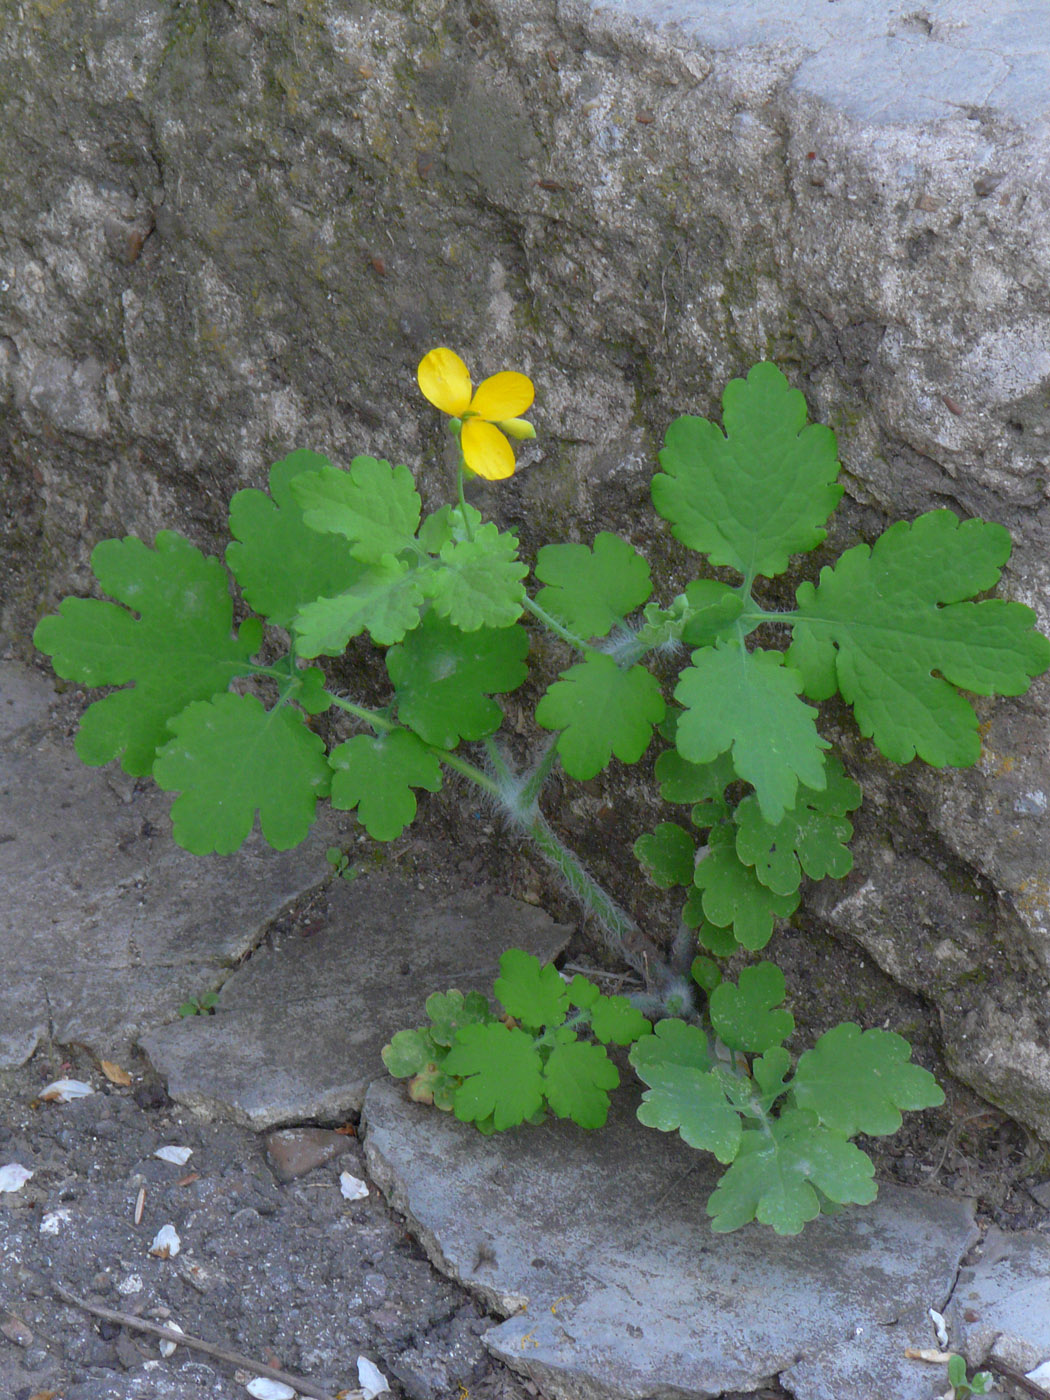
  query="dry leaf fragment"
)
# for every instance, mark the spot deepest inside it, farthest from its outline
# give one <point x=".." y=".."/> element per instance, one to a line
<point x="13" y="1177"/>
<point x="937" y="1358"/>
<point x="178" y="1155"/>
<point x="939" y="1327"/>
<point x="114" y="1073"/>
<point x="352" y="1187"/>
<point x="371" y="1379"/>
<point x="166" y="1243"/>
<point x="65" y="1090"/>
<point x="263" y="1389"/>
<point x="140" y="1202"/>
<point x="168" y="1348"/>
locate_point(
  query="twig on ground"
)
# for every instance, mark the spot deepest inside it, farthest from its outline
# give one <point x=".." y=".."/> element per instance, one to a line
<point x="299" y="1383"/>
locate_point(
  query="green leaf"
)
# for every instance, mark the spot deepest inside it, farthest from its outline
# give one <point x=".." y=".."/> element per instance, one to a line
<point x="374" y="505"/>
<point x="409" y="1052"/>
<point x="446" y="524"/>
<point x="757" y="494"/>
<point x="667" y="855"/>
<point x="857" y="1081"/>
<point x="693" y="1103"/>
<point x="747" y="702"/>
<point x="889" y="629"/>
<point x="720" y="941"/>
<point x="706" y="973"/>
<point x="444" y="678"/>
<point x="591" y="591"/>
<point x="310" y="693"/>
<point x="178" y="649"/>
<point x="502" y="1075"/>
<point x="811" y="837"/>
<point x="956" y="1371"/>
<point x="448" y="1011"/>
<point x="773" y="1177"/>
<point x="231" y="758"/>
<point x="615" y="1021"/>
<point x="733" y="895"/>
<point x="743" y="1017"/>
<point x="533" y="994"/>
<point x="673" y="1042"/>
<point x="601" y="711"/>
<point x="480" y="585"/>
<point x="279" y="562"/>
<point x="386" y="600"/>
<point x="714" y="608"/>
<point x="703" y="784"/>
<point x="377" y="774"/>
<point x="576" y="1077"/>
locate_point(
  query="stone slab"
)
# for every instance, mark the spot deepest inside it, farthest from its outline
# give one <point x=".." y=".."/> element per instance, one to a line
<point x="106" y="925"/>
<point x="299" y="1030"/>
<point x="598" y="1248"/>
<point x="1001" y="1305"/>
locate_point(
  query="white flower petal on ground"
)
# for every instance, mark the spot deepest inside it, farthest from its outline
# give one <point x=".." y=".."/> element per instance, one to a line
<point x="263" y="1389"/>
<point x="939" y="1327"/>
<point x="65" y="1090"/>
<point x="166" y="1243"/>
<point x="177" y="1155"/>
<point x="167" y="1348"/>
<point x="371" y="1379"/>
<point x="13" y="1177"/>
<point x="352" y="1187"/>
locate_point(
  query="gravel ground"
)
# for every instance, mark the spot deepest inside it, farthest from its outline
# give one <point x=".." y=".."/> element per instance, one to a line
<point x="290" y="1274"/>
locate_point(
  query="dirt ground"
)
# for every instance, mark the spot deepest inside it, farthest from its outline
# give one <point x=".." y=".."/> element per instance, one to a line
<point x="292" y="1274"/>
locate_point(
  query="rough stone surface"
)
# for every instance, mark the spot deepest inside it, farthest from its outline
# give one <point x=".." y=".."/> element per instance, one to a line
<point x="106" y="925"/>
<point x="300" y="1028"/>
<point x="1001" y="1304"/>
<point x="598" y="1249"/>
<point x="247" y="222"/>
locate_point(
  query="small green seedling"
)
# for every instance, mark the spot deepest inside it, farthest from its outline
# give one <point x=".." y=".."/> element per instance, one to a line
<point x="200" y="1006"/>
<point x="980" y="1383"/>
<point x="340" y="863"/>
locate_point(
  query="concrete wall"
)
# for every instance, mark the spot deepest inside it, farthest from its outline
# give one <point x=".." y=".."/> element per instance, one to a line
<point x="231" y="227"/>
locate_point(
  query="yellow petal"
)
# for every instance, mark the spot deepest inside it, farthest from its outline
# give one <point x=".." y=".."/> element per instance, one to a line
<point x="445" y="381"/>
<point x="486" y="451"/>
<point x="505" y="395"/>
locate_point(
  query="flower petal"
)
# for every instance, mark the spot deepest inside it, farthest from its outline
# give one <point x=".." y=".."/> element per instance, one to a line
<point x="486" y="451"/>
<point x="445" y="381"/>
<point x="505" y="395"/>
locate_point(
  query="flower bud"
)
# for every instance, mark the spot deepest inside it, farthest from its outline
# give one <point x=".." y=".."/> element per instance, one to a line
<point x="518" y="428"/>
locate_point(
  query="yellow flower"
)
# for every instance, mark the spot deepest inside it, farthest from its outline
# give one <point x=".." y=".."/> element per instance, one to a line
<point x="489" y="413"/>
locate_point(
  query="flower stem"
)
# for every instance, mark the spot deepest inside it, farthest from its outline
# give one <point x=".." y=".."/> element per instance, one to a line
<point x="460" y="477"/>
<point x="541" y="615"/>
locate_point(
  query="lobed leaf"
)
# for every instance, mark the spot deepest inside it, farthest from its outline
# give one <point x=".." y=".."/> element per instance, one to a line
<point x="373" y="505"/>
<point x="673" y="1042"/>
<point x="444" y="678"/>
<point x="747" y="702"/>
<point x="614" y="1021"/>
<point x="481" y="583"/>
<point x="857" y="1081"/>
<point x="576" y="1081"/>
<point x="888" y="628"/>
<point x="502" y="1075"/>
<point x="733" y="895"/>
<point x="449" y="1011"/>
<point x="591" y="590"/>
<point x="703" y="784"/>
<point x="409" y="1052"/>
<point x="180" y="648"/>
<point x="743" y="1016"/>
<point x="534" y="994"/>
<point x="667" y="855"/>
<point x="601" y="710"/>
<point x="230" y="759"/>
<point x="693" y="1103"/>
<point x="376" y="774"/>
<point x="279" y="561"/>
<point x="760" y="492"/>
<point x="713" y="611"/>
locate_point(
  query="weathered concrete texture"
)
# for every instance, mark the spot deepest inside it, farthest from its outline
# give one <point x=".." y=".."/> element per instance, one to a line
<point x="301" y="1026"/>
<point x="598" y="1248"/>
<point x="106" y="926"/>
<point x="1001" y="1306"/>
<point x="247" y="221"/>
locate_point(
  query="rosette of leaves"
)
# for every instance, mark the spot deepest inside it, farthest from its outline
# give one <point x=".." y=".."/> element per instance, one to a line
<point x="785" y="1134"/>
<point x="500" y="1070"/>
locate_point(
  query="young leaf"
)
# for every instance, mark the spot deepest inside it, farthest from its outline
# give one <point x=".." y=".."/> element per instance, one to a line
<point x="374" y="505"/>
<point x="480" y="585"/>
<point x="180" y="648"/>
<point x="673" y="1042"/>
<point x="601" y="711"/>
<point x="667" y="855"/>
<point x="502" y="1075"/>
<point x="409" y="1052"/>
<point x="811" y="837"/>
<point x="758" y="494"/>
<point x="533" y="994"/>
<point x="692" y="1102"/>
<point x="858" y="1081"/>
<point x="743" y="1017"/>
<point x="703" y="784"/>
<point x="231" y="758"/>
<point x="590" y="592"/>
<point x="279" y="562"/>
<point x="713" y="609"/>
<point x="448" y="1011"/>
<point x="615" y="1021"/>
<point x="446" y="524"/>
<point x="747" y="702"/>
<point x="889" y="629"/>
<point x="444" y="678"/>
<point x="733" y="894"/>
<point x="377" y="774"/>
<point x="576" y="1080"/>
<point x="386" y="600"/>
<point x="773" y="1177"/>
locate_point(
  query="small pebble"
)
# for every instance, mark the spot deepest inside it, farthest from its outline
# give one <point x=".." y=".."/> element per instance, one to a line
<point x="292" y="1152"/>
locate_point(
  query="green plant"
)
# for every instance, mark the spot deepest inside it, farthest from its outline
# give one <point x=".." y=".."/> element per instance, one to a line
<point x="340" y="863"/>
<point x="978" y="1384"/>
<point x="894" y="628"/>
<point x="203" y="1005"/>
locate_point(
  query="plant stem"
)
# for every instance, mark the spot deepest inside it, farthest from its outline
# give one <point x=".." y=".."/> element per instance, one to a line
<point x="541" y="615"/>
<point x="460" y="477"/>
